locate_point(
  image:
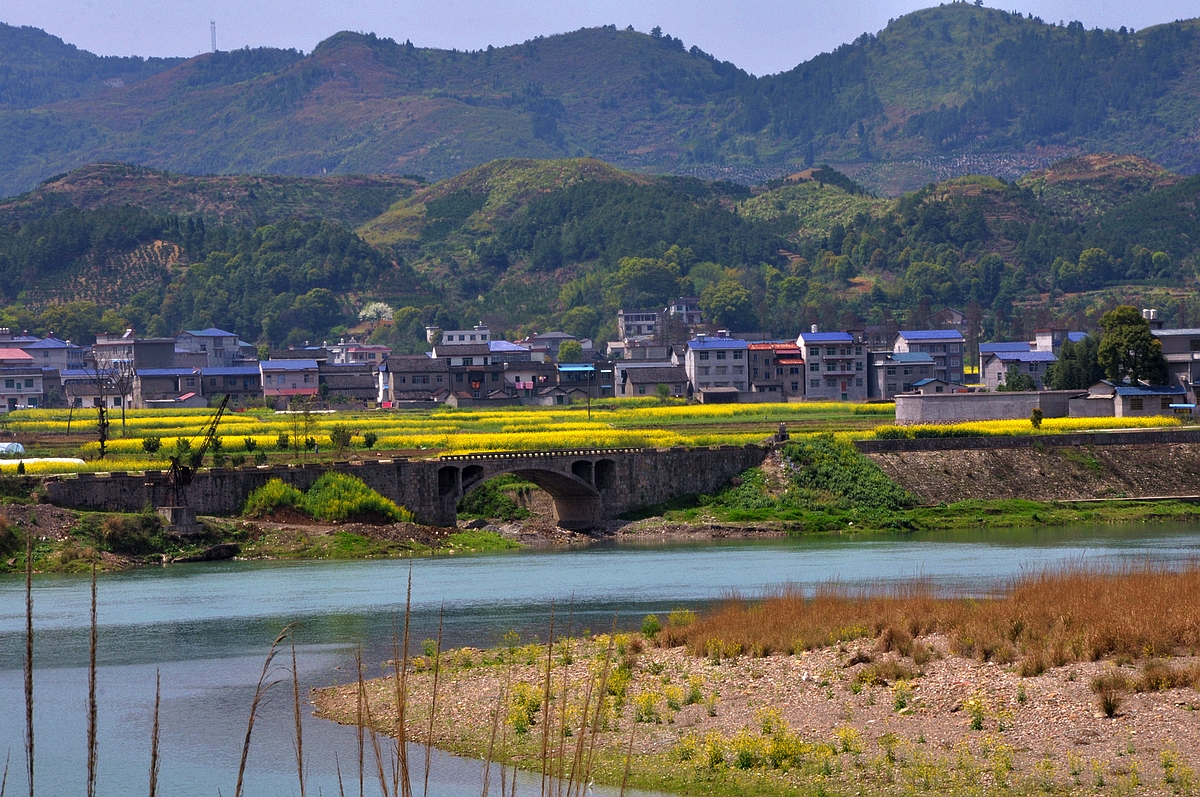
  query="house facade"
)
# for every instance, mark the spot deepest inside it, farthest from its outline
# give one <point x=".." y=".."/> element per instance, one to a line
<point x="284" y="380"/>
<point x="242" y="383"/>
<point x="836" y="365"/>
<point x="896" y="372"/>
<point x="717" y="363"/>
<point x="995" y="366"/>
<point x="777" y="367"/>
<point x="636" y="323"/>
<point x="945" y="346"/>
<point x="219" y="348"/>
<point x="53" y="353"/>
<point x="412" y="377"/>
<point x="21" y="387"/>
<point x="638" y="380"/>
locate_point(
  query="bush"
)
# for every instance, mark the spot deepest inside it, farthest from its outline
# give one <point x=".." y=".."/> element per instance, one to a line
<point x="151" y="444"/>
<point x="237" y="460"/>
<point x="336" y="496"/>
<point x="836" y="466"/>
<point x="10" y="541"/>
<point x="651" y="626"/>
<point x="340" y="437"/>
<point x="250" y="443"/>
<point x="491" y="500"/>
<point x="370" y="439"/>
<point x="133" y="535"/>
<point x="260" y="457"/>
<point x="282" y="442"/>
<point x="272" y="496"/>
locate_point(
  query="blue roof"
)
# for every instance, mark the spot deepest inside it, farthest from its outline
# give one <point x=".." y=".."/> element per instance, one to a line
<point x="1076" y="337"/>
<point x="1145" y="390"/>
<point x="167" y="371"/>
<point x="504" y="345"/>
<point x="211" y="332"/>
<point x="927" y="381"/>
<point x="931" y="334"/>
<point x="237" y="370"/>
<point x="909" y="357"/>
<point x="289" y="365"/>
<point x="718" y="343"/>
<point x="1013" y="345"/>
<point x="826" y="337"/>
<point x="51" y="343"/>
<point x="576" y="367"/>
<point x="1025" y="356"/>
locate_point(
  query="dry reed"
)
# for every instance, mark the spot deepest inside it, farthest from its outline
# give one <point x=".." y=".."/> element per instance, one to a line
<point x="154" y="735"/>
<point x="296" y="716"/>
<point x="4" y="780"/>
<point x="91" y="715"/>
<point x="1050" y="617"/>
<point x="260" y="691"/>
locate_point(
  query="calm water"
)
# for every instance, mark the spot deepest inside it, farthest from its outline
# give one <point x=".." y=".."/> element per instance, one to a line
<point x="206" y="628"/>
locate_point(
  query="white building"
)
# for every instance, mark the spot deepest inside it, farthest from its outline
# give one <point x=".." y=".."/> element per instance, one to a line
<point x="836" y="366"/>
<point x="712" y="362"/>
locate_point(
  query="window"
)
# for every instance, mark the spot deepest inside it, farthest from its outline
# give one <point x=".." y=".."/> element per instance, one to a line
<point x="704" y="370"/>
<point x="1194" y="344"/>
<point x="795" y="369"/>
<point x="795" y="387"/>
<point x="954" y="348"/>
<point x="203" y="347"/>
<point x="739" y="369"/>
<point x="907" y="386"/>
<point x="1166" y="403"/>
<point x="1033" y="368"/>
<point x="495" y="376"/>
<point x="737" y="355"/>
<point x="439" y="379"/>
<point x="212" y="382"/>
<point x="858" y="350"/>
<point x="307" y="378"/>
<point x="1135" y="403"/>
<point x="831" y="352"/>
<point x="458" y="378"/>
<point x="468" y="360"/>
<point x="830" y="366"/>
<point x="954" y="362"/>
<point x="939" y="389"/>
<point x="814" y="352"/>
<point x="814" y="367"/>
<point x="720" y="355"/>
<point x="9" y="383"/>
<point x="266" y="380"/>
<point x="891" y="370"/>
<point x="858" y="366"/>
<point x="756" y="372"/>
<point x="814" y="383"/>
<point x="400" y="380"/>
<point x="891" y="388"/>
<point x="702" y="355"/>
<point x="858" y="382"/>
<point x="908" y="371"/>
<point x="641" y="390"/>
<point x="191" y="382"/>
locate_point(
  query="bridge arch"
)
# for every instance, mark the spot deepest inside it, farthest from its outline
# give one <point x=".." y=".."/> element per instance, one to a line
<point x="576" y="501"/>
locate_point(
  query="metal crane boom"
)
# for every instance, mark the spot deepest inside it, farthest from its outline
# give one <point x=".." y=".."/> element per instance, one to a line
<point x="180" y="475"/>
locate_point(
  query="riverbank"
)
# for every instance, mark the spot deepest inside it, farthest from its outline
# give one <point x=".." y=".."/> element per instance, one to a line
<point x="1084" y="698"/>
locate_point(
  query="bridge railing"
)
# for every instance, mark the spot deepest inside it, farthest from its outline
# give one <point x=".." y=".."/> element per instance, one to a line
<point x="586" y="452"/>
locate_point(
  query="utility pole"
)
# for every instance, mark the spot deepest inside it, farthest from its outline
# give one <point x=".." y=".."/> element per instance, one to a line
<point x="212" y="29"/>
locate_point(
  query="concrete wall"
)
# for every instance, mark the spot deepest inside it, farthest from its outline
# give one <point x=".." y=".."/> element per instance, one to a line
<point x="1084" y="407"/>
<point x="587" y="486"/>
<point x="998" y="406"/>
<point x="1115" y="437"/>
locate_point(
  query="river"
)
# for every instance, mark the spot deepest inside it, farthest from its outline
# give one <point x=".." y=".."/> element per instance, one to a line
<point x="206" y="628"/>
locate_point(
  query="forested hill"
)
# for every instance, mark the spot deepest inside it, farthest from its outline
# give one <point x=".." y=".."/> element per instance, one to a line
<point x="530" y="245"/>
<point x="937" y="93"/>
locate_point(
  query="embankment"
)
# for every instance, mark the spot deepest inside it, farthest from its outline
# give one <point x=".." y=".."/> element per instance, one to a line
<point x="1043" y="469"/>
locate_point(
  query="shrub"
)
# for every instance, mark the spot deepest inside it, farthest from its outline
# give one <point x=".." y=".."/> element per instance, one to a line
<point x="340" y="437"/>
<point x="651" y="626"/>
<point x="337" y="496"/>
<point x="10" y="541"/>
<point x="826" y="463"/>
<point x="217" y="444"/>
<point x="260" y="457"/>
<point x="237" y="460"/>
<point x="133" y="535"/>
<point x="1109" y="689"/>
<point x="271" y="496"/>
<point x="310" y="443"/>
<point x="491" y="499"/>
<point x="282" y="442"/>
<point x="250" y="443"/>
<point x="370" y="439"/>
<point x="151" y="444"/>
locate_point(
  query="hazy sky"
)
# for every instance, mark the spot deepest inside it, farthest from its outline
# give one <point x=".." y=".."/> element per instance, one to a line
<point x="761" y="36"/>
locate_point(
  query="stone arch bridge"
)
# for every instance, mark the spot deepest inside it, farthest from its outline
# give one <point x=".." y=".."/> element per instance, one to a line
<point x="588" y="486"/>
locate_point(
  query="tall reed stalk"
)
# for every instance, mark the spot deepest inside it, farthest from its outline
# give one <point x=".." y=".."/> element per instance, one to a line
<point x="154" y="735"/>
<point x="91" y="717"/>
<point x="547" y="720"/>
<point x="437" y="669"/>
<point x="296" y="715"/>
<point x="4" y="780"/>
<point x="401" y="673"/>
<point x="29" y="657"/>
<point x="260" y="692"/>
<point x="360" y="700"/>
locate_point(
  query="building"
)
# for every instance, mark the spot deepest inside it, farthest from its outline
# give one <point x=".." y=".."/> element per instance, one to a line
<point x="503" y="351"/>
<point x="548" y="343"/>
<point x="894" y="372"/>
<point x="526" y="379"/>
<point x="594" y="379"/>
<point x="221" y="349"/>
<point x="21" y="386"/>
<point x="637" y="350"/>
<point x="242" y="383"/>
<point x="155" y="386"/>
<point x="1129" y="401"/>
<point x="129" y="348"/>
<point x="717" y="362"/>
<point x="50" y="352"/>
<point x="686" y="310"/>
<point x="643" y="379"/>
<point x="636" y="323"/>
<point x="411" y="377"/>
<point x="344" y="353"/>
<point x="913" y="408"/>
<point x="284" y="380"/>
<point x="932" y="387"/>
<point x="995" y="366"/>
<point x="945" y="346"/>
<point x="480" y="334"/>
<point x="777" y="367"/>
<point x="463" y="354"/>
<point x="1052" y="340"/>
<point x="837" y="366"/>
<point x="1181" y="350"/>
<point x="348" y="383"/>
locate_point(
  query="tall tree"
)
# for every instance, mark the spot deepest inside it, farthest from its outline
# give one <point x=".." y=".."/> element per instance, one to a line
<point x="1128" y="350"/>
<point x="1078" y="366"/>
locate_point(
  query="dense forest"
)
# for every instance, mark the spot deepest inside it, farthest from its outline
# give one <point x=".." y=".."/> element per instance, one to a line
<point x="939" y="92"/>
<point x="527" y="246"/>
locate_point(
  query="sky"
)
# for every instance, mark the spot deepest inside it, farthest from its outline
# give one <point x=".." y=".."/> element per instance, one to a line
<point x="760" y="36"/>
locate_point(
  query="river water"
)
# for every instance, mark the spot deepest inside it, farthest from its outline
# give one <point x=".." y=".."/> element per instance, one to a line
<point x="206" y="628"/>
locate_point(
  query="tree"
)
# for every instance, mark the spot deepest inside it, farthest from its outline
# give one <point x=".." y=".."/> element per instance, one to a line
<point x="1128" y="350"/>
<point x="1077" y="368"/>
<point x="663" y="392"/>
<point x="571" y="351"/>
<point x="727" y="304"/>
<point x="1016" y="380"/>
<point x="375" y="312"/>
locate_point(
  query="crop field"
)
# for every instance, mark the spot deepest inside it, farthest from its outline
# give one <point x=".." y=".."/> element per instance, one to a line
<point x="147" y="438"/>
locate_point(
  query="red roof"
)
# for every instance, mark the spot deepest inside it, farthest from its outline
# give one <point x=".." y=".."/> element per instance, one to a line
<point x="15" y="354"/>
<point x="788" y="346"/>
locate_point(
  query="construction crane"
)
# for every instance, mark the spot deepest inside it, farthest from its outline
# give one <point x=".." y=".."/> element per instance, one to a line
<point x="179" y="477"/>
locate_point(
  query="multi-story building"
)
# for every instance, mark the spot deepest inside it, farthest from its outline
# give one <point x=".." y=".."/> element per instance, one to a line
<point x="945" y="346"/>
<point x="1181" y="349"/>
<point x="450" y="337"/>
<point x="717" y="363"/>
<point x="221" y="349"/>
<point x="636" y="323"/>
<point x="415" y="377"/>
<point x="777" y="367"/>
<point x="284" y="380"/>
<point x="836" y="365"/>
<point x="348" y="352"/>
<point x="686" y="309"/>
<point x="20" y="382"/>
<point x="50" y="352"/>
<point x="895" y="372"/>
<point x="995" y="366"/>
<point x="129" y="348"/>
<point x="242" y="383"/>
<point x="635" y="379"/>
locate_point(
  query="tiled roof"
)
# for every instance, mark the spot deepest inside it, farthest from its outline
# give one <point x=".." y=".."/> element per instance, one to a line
<point x="51" y="343"/>
<point x="1025" y="356"/>
<point x="404" y="364"/>
<point x="237" y="370"/>
<point x="930" y="334"/>
<point x="504" y="345"/>
<point x="656" y="375"/>
<point x="1145" y="390"/>
<point x="718" y="343"/>
<point x="149" y="372"/>
<point x="211" y="332"/>
<point x="916" y="357"/>
<point x="15" y="354"/>
<point x="1076" y="337"/>
<point x="289" y="365"/>
<point x="1011" y="345"/>
<point x="826" y="337"/>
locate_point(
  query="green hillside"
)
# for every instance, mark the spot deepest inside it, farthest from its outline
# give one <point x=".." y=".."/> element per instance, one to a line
<point x="234" y="199"/>
<point x="528" y="245"/>
<point x="939" y="93"/>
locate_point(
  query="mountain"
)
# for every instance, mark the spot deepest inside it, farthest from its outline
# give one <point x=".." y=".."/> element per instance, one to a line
<point x="939" y="93"/>
<point x="233" y="199"/>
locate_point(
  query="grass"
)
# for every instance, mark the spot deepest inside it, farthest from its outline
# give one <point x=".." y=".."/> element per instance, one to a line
<point x="334" y="497"/>
<point x="1051" y="617"/>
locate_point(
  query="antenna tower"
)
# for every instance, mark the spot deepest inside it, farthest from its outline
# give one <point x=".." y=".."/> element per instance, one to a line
<point x="212" y="29"/>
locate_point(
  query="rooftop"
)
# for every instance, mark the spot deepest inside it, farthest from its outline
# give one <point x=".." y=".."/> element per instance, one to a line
<point x="150" y="372"/>
<point x="826" y="337"/>
<point x="1025" y="356"/>
<point x="717" y="343"/>
<point x="504" y="345"/>
<point x="1150" y="390"/>
<point x="289" y="365"/>
<point x="930" y="334"/>
<point x="236" y="370"/>
<point x="51" y="343"/>
<point x="919" y="357"/>
<point x="1009" y="345"/>
<point x="1170" y="333"/>
<point x="211" y="332"/>
<point x="15" y="354"/>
